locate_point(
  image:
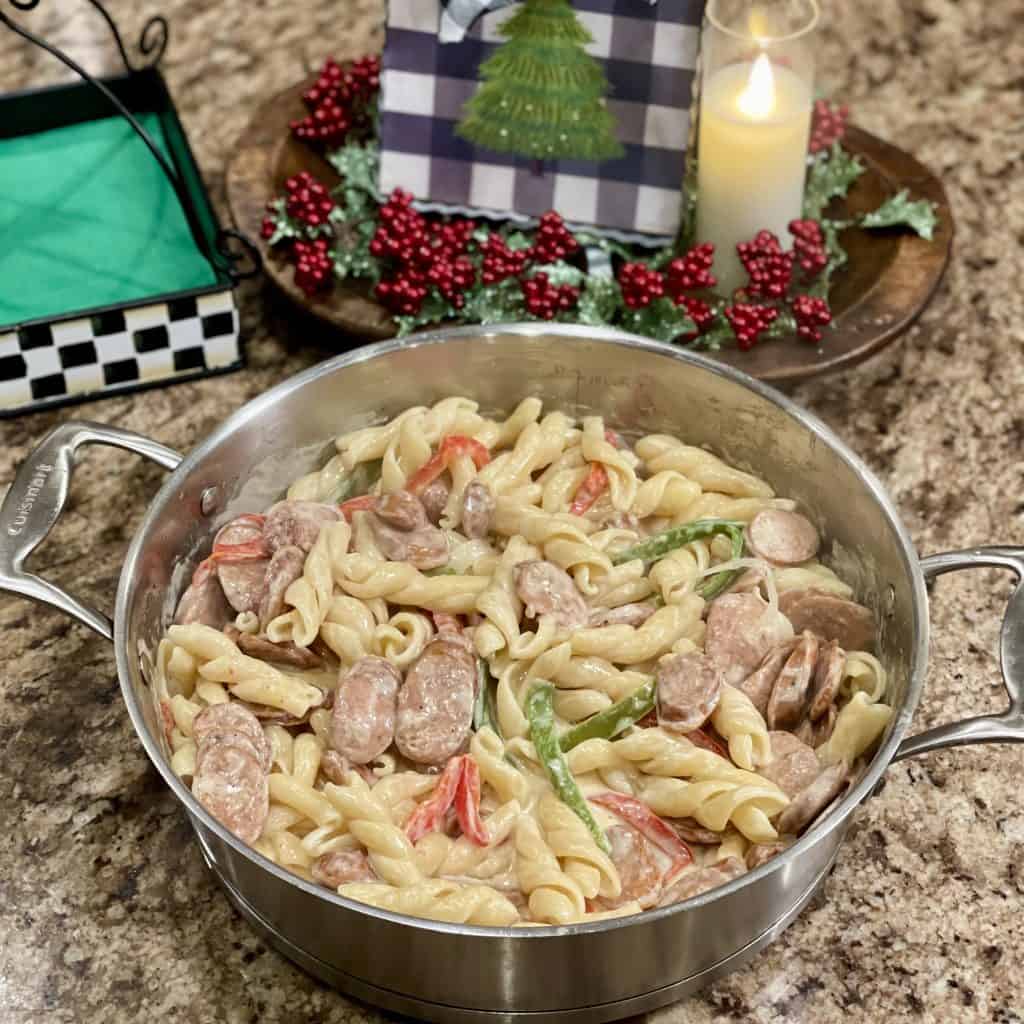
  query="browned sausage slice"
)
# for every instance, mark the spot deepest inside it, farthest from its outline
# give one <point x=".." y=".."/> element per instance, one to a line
<point x="242" y="582"/>
<point x="402" y="510"/>
<point x="334" y="767"/>
<point x="230" y="783"/>
<point x="232" y="717"/>
<point x="284" y="569"/>
<point x="689" y="686"/>
<point x="404" y="534"/>
<point x="814" y="734"/>
<point x="280" y="654"/>
<point x="635" y="614"/>
<point x="214" y="740"/>
<point x="204" y="602"/>
<point x="761" y="853"/>
<point x="792" y="689"/>
<point x="435" y="497"/>
<point x="741" y="630"/>
<point x="827" y="677"/>
<point x="637" y="865"/>
<point x="477" y="510"/>
<point x="365" y="705"/>
<point x="812" y="800"/>
<point x="342" y="866"/>
<point x="834" y="618"/>
<point x="691" y="831"/>
<point x="700" y="880"/>
<point x="759" y="684"/>
<point x="781" y="537"/>
<point x="435" y="706"/>
<point x="297" y="523"/>
<point x="545" y="589"/>
<point x="793" y="766"/>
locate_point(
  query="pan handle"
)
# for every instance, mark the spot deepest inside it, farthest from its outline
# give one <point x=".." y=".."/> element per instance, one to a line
<point x="1007" y="727"/>
<point x="36" y="498"/>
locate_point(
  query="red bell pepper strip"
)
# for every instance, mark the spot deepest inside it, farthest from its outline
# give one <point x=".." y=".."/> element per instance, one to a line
<point x="646" y="822"/>
<point x="595" y="483"/>
<point x="699" y="738"/>
<point x="467" y="803"/>
<point x="429" y="815"/>
<point x="364" y="503"/>
<point x="230" y="554"/>
<point x="449" y="449"/>
<point x="253" y="519"/>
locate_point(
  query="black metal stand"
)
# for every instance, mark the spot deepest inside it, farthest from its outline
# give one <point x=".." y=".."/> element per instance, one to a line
<point x="232" y="252"/>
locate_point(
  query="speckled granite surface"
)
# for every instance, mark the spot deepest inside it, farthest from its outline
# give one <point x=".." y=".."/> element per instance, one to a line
<point x="106" y="911"/>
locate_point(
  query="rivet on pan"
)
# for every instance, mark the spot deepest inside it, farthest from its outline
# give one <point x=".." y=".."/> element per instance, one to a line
<point x="209" y="501"/>
<point x="890" y="601"/>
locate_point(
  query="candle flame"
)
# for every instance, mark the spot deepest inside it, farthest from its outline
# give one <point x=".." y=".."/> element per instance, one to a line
<point x="758" y="97"/>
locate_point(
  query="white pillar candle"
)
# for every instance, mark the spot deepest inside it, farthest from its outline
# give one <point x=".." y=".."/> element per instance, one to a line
<point x="755" y="121"/>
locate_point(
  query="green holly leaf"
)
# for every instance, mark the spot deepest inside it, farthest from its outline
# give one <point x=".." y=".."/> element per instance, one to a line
<point x="662" y="258"/>
<point x="830" y="177"/>
<point x="518" y="240"/>
<point x="434" y="310"/>
<point x="902" y="211"/>
<point x="600" y="300"/>
<point x="560" y="273"/>
<point x="357" y="263"/>
<point x="494" y="303"/>
<point x="819" y="287"/>
<point x="717" y="335"/>
<point x="608" y="245"/>
<point x="358" y="165"/>
<point x="662" y="320"/>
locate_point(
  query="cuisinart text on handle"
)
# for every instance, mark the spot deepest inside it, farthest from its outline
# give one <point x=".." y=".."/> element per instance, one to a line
<point x="35" y="485"/>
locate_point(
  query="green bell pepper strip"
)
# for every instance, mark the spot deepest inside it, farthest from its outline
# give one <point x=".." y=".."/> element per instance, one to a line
<point x="483" y="709"/>
<point x="540" y="712"/>
<point x="722" y="581"/>
<point x="357" y="482"/>
<point x="609" y="723"/>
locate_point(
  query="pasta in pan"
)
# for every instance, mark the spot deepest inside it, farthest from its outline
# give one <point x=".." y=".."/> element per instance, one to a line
<point x="519" y="671"/>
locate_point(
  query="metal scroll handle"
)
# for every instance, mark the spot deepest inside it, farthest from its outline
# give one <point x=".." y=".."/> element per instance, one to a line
<point x="36" y="498"/>
<point x="1007" y="727"/>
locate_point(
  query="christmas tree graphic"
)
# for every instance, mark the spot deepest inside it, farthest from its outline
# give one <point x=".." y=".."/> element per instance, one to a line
<point x="541" y="94"/>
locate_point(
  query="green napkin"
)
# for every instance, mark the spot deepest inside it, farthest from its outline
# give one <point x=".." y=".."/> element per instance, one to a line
<point x="88" y="219"/>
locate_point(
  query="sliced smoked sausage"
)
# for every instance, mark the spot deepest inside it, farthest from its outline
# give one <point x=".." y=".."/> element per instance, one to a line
<point x="365" y="707"/>
<point x="637" y="864"/>
<point x="204" y="602"/>
<point x="793" y="766"/>
<point x="545" y="589"/>
<point x="635" y="614"/>
<point x="338" y="867"/>
<point x="435" y="498"/>
<point x="761" y="853"/>
<point x="700" y="880"/>
<point x="692" y="831"/>
<point x="850" y="624"/>
<point x="281" y="654"/>
<point x="284" y="568"/>
<point x="231" y="717"/>
<point x="781" y="537"/>
<point x="814" y="734"/>
<point x="232" y="785"/>
<point x="404" y="534"/>
<point x="689" y="686"/>
<point x="759" y="684"/>
<point x="741" y="630"/>
<point x="792" y="689"/>
<point x="242" y="582"/>
<point x="827" y="677"/>
<point x="813" y="799"/>
<point x="435" y="706"/>
<point x="297" y="523"/>
<point x="477" y="510"/>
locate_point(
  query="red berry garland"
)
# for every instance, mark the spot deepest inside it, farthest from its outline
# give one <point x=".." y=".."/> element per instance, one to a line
<point x="499" y="261"/>
<point x="307" y="200"/>
<point x="337" y="101"/>
<point x="640" y="285"/>
<point x="768" y="267"/>
<point x="553" y="240"/>
<point x="828" y="124"/>
<point x="543" y="299"/>
<point x="699" y="311"/>
<point x="748" y="321"/>
<point x="312" y="265"/>
<point x="809" y="247"/>
<point x="691" y="271"/>
<point x="811" y="315"/>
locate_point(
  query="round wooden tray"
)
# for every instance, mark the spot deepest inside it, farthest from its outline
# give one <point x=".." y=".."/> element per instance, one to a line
<point x="887" y="281"/>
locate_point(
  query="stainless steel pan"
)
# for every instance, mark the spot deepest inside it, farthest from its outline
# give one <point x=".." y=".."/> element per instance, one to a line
<point x="445" y="972"/>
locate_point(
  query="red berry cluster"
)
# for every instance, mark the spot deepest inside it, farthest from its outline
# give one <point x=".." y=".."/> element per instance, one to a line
<point x="748" y="321"/>
<point x="307" y="200"/>
<point x="768" y="267"/>
<point x="811" y="315"/>
<point x="553" y="241"/>
<point x="809" y="247"/>
<point x="828" y="124"/>
<point x="699" y="311"/>
<point x="424" y="254"/>
<point x="640" y="285"/>
<point x="543" y="299"/>
<point x="691" y="271"/>
<point x="337" y="101"/>
<point x="312" y="264"/>
<point x="499" y="261"/>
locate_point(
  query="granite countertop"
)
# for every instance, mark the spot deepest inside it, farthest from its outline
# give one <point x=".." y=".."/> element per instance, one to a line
<point x="106" y="910"/>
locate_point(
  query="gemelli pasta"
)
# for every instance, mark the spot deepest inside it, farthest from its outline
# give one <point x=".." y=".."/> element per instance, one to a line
<point x="519" y="671"/>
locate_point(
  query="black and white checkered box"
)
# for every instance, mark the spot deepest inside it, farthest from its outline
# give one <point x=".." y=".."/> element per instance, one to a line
<point x="649" y="55"/>
<point x="125" y="349"/>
